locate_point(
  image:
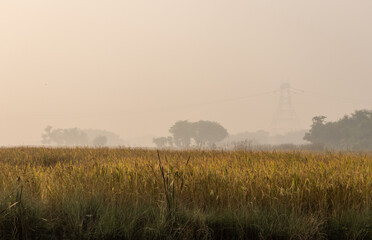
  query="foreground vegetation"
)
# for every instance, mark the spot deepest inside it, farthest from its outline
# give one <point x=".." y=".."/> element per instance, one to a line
<point x="104" y="193"/>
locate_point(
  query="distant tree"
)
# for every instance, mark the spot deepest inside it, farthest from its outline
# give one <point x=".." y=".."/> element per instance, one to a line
<point x="204" y="133"/>
<point x="182" y="132"/>
<point x="316" y="135"/>
<point x="100" y="141"/>
<point x="80" y="137"/>
<point x="207" y="133"/>
<point x="46" y="137"/>
<point x="160" y="142"/>
<point x="53" y="136"/>
<point x="65" y="137"/>
<point x="75" y="137"/>
<point x="170" y="141"/>
<point x="112" y="138"/>
<point x="352" y="132"/>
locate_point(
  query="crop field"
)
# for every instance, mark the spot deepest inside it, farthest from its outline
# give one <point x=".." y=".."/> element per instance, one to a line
<point x="87" y="193"/>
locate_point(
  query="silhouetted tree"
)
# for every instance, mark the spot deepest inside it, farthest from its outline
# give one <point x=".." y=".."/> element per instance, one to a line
<point x="182" y="132"/>
<point x="316" y="134"/>
<point x="207" y="133"/>
<point x="204" y="133"/>
<point x="352" y="132"/>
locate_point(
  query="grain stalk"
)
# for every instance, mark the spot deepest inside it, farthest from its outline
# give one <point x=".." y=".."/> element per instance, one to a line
<point x="172" y="191"/>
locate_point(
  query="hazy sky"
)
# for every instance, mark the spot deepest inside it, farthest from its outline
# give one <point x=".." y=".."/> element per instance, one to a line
<point x="135" y="67"/>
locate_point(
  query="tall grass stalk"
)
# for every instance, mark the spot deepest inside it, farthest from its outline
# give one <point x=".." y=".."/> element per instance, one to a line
<point x="83" y="193"/>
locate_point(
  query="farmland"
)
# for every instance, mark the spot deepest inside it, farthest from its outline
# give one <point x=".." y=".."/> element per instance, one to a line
<point x="121" y="193"/>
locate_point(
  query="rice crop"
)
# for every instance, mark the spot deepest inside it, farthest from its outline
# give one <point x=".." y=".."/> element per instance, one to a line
<point x="122" y="193"/>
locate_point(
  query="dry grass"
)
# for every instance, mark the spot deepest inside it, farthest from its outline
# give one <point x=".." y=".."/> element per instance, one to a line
<point x="85" y="193"/>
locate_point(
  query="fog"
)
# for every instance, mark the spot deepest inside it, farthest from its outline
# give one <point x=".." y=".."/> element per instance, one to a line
<point x="137" y="67"/>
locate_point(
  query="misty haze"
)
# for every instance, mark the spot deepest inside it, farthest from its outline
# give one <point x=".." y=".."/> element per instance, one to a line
<point x="135" y="68"/>
<point x="208" y="119"/>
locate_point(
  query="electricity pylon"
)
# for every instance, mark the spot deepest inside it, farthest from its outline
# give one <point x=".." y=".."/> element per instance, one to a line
<point x="285" y="119"/>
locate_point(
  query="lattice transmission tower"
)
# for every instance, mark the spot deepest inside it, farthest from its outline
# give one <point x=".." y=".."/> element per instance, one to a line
<point x="285" y="119"/>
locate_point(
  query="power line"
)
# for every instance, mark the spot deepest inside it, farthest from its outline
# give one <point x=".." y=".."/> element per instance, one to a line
<point x="228" y="99"/>
<point x="344" y="99"/>
<point x="157" y="109"/>
<point x="205" y="103"/>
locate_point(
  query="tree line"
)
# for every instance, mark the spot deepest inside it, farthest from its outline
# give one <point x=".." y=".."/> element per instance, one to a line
<point x="199" y="134"/>
<point x="79" y="137"/>
<point x="352" y="132"/>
